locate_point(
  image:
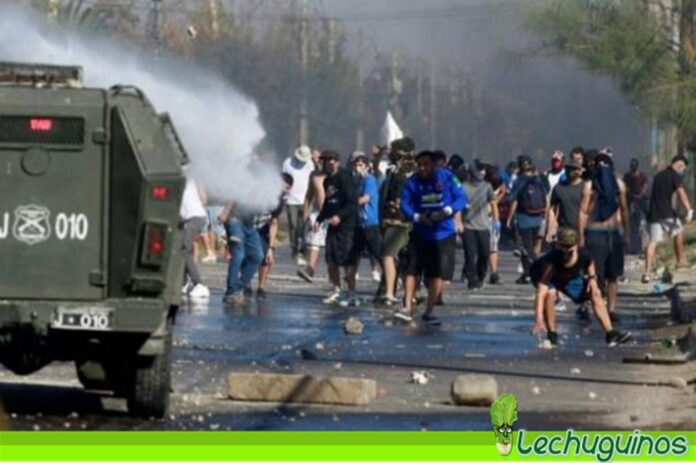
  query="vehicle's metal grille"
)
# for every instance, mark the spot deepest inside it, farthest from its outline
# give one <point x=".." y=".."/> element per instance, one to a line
<point x="50" y="131"/>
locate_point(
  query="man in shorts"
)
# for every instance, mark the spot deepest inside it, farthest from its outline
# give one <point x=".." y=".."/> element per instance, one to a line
<point x="395" y="227"/>
<point x="604" y="226"/>
<point x="430" y="199"/>
<point x="316" y="238"/>
<point x="662" y="217"/>
<point x="569" y="270"/>
<point x="340" y="211"/>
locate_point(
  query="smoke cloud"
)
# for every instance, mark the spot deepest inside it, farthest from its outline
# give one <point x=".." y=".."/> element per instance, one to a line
<point x="218" y="125"/>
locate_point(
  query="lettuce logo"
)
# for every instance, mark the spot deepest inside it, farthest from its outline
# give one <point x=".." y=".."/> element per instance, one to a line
<point x="503" y="416"/>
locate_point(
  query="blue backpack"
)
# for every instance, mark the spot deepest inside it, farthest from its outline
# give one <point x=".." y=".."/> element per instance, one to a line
<point x="607" y="189"/>
<point x="533" y="197"/>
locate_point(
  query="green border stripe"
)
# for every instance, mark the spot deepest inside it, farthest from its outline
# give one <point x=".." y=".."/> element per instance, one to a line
<point x="284" y="446"/>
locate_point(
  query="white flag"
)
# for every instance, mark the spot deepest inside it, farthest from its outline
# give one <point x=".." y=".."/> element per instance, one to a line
<point x="390" y="131"/>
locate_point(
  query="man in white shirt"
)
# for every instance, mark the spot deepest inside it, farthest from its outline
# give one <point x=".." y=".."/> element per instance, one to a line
<point x="300" y="167"/>
<point x="192" y="214"/>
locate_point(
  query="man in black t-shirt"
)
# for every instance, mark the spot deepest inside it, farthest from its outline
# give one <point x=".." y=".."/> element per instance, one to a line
<point x="569" y="270"/>
<point x="662" y="217"/>
<point x="339" y="211"/>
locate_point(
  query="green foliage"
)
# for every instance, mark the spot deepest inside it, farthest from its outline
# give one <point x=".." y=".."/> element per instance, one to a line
<point x="504" y="410"/>
<point x="632" y="43"/>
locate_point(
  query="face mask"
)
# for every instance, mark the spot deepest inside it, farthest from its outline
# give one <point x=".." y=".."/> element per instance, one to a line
<point x="567" y="255"/>
<point x="590" y="172"/>
<point x="574" y="174"/>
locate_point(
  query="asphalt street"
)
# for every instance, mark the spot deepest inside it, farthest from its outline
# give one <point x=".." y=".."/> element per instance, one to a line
<point x="582" y="384"/>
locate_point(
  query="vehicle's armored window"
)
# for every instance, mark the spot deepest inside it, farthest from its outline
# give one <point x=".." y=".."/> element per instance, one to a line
<point x="42" y="130"/>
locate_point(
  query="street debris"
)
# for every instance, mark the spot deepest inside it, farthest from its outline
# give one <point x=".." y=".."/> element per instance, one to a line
<point x="296" y="388"/>
<point x="589" y="353"/>
<point x="545" y="345"/>
<point x="353" y="326"/>
<point x="592" y="395"/>
<point x="677" y="382"/>
<point x="536" y="390"/>
<point x="420" y="377"/>
<point x="575" y="371"/>
<point x="319" y="346"/>
<point x="474" y="390"/>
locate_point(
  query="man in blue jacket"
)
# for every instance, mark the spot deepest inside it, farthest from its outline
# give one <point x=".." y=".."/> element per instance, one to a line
<point x="430" y="200"/>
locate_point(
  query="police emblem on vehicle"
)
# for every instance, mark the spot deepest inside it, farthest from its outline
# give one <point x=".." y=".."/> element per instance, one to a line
<point x="31" y="224"/>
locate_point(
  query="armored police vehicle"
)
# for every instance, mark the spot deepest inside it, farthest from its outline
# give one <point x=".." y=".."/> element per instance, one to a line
<point x="90" y="253"/>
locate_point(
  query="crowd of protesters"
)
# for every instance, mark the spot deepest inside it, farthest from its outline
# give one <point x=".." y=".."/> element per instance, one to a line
<point x="570" y="226"/>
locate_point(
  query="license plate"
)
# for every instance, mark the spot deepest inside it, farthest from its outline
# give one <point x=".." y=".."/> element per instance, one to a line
<point x="84" y="318"/>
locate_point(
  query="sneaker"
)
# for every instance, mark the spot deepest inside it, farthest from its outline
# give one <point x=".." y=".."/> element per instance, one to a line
<point x="199" y="292"/>
<point x="523" y="280"/>
<point x="614" y="338"/>
<point x="495" y="279"/>
<point x="261" y="294"/>
<point x="248" y="292"/>
<point x="431" y="320"/>
<point x="390" y="301"/>
<point x="582" y="313"/>
<point x="333" y="297"/>
<point x="376" y="276"/>
<point x="517" y="253"/>
<point x="351" y="301"/>
<point x="306" y="274"/>
<point x="404" y="315"/>
<point x="301" y="262"/>
<point x="185" y="289"/>
<point x="473" y="286"/>
<point x="645" y="279"/>
<point x="552" y="336"/>
<point x="440" y="302"/>
<point x="561" y="306"/>
<point x="234" y="298"/>
<point x="418" y="300"/>
<point x="209" y="259"/>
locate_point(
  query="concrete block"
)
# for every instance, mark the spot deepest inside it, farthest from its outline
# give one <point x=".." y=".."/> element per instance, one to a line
<point x="289" y="388"/>
<point x="475" y="390"/>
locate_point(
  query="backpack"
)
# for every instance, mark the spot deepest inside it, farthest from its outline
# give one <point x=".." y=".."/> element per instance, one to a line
<point x="533" y="198"/>
<point x="607" y="189"/>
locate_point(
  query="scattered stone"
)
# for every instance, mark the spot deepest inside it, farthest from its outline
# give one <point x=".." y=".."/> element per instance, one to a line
<point x="420" y="377"/>
<point x="575" y="371"/>
<point x="536" y="390"/>
<point x="677" y="382"/>
<point x="475" y="390"/>
<point x="592" y="395"/>
<point x="319" y="346"/>
<point x="648" y="356"/>
<point x="589" y="353"/>
<point x="37" y="427"/>
<point x="635" y="418"/>
<point x="214" y="427"/>
<point x="289" y="388"/>
<point x="338" y="366"/>
<point x="388" y="323"/>
<point x="474" y="355"/>
<point x="353" y="326"/>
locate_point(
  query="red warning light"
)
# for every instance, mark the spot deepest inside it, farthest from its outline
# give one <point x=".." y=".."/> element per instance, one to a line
<point x="41" y="125"/>
<point x="156" y="245"/>
<point x="160" y="192"/>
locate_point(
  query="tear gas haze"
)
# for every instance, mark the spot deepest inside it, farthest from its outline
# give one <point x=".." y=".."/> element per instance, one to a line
<point x="218" y="126"/>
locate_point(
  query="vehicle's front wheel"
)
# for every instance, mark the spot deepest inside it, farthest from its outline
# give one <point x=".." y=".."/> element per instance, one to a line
<point x="150" y="381"/>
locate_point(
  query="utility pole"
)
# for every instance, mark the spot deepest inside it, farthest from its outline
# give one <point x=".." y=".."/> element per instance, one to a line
<point x="304" y="72"/>
<point x="214" y="11"/>
<point x="433" y="106"/>
<point x="155" y="26"/>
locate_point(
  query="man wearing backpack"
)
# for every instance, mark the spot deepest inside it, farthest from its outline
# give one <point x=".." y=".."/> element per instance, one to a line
<point x="528" y="206"/>
<point x="604" y="226"/>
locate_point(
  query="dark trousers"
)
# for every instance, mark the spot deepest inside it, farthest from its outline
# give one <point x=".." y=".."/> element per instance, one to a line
<point x="477" y="249"/>
<point x="191" y="229"/>
<point x="527" y="237"/>
<point x="296" y="229"/>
